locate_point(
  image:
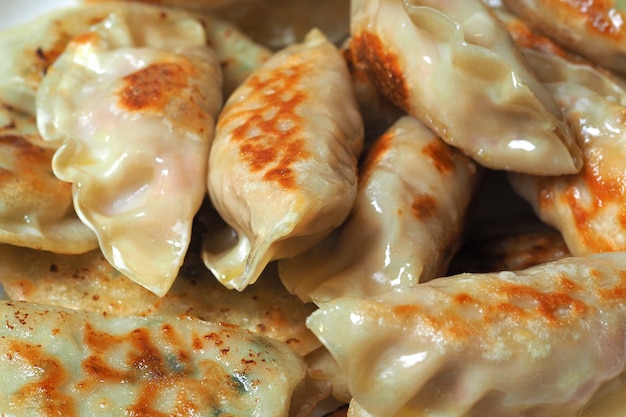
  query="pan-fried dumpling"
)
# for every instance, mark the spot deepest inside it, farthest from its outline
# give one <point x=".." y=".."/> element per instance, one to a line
<point x="36" y="208"/>
<point x="452" y="65"/>
<point x="282" y="168"/>
<point x="29" y="49"/>
<point x="239" y="55"/>
<point x="87" y="282"/>
<point x="14" y="122"/>
<point x="535" y="342"/>
<point x="524" y="35"/>
<point x="511" y="252"/>
<point x="414" y="192"/>
<point x="377" y="111"/>
<point x="593" y="29"/>
<point x="134" y="108"/>
<point x="587" y="208"/>
<point x="202" y="5"/>
<point x="69" y="363"/>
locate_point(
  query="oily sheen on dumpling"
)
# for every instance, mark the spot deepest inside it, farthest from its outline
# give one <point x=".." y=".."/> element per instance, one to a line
<point x="536" y="342"/>
<point x="282" y="167"/>
<point x="587" y="208"/>
<point x="414" y="192"/>
<point x="72" y="363"/>
<point x="36" y="209"/>
<point x="593" y="29"/>
<point x="134" y="109"/>
<point x="30" y="48"/>
<point x="452" y="65"/>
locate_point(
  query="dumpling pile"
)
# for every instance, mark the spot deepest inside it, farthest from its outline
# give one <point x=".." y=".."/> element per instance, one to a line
<point x="416" y="212"/>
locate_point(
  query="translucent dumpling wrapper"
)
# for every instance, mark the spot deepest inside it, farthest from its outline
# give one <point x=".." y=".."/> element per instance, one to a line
<point x="30" y="48"/>
<point x="593" y="29"/>
<point x="407" y="221"/>
<point x="453" y="65"/>
<point x="273" y="23"/>
<point x="283" y="165"/>
<point x="134" y="108"/>
<point x="587" y="208"/>
<point x="36" y="209"/>
<point x="524" y="35"/>
<point x="538" y="342"/>
<point x="74" y="363"/>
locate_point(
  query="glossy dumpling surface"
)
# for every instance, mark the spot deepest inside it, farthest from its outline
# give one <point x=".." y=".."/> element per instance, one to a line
<point x="134" y="108"/>
<point x="414" y="191"/>
<point x="31" y="48"/>
<point x="588" y="208"/>
<point x="70" y="363"/>
<point x="534" y="342"/>
<point x="36" y="209"/>
<point x="282" y="168"/>
<point x="452" y="65"/>
<point x="594" y="29"/>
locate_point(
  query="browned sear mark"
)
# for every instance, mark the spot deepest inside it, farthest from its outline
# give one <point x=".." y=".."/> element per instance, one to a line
<point x="153" y="87"/>
<point x="272" y="141"/>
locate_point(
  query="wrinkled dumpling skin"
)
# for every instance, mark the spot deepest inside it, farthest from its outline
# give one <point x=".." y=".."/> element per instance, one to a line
<point x="72" y="363"/>
<point x="588" y="208"/>
<point x="29" y="49"/>
<point x="273" y="23"/>
<point x="537" y="342"/>
<point x="414" y="192"/>
<point x="452" y="65"/>
<point x="36" y="209"/>
<point x="282" y="168"/>
<point x="595" y="29"/>
<point x="135" y="111"/>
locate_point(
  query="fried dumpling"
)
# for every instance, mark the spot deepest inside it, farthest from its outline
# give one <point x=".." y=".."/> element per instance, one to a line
<point x="30" y="48"/>
<point x="587" y="208"/>
<point x="510" y="252"/>
<point x="15" y="122"/>
<point x="283" y="165"/>
<point x="36" y="208"/>
<point x="273" y="23"/>
<point x="135" y="109"/>
<point x="452" y="65"/>
<point x="202" y="5"/>
<point x="239" y="55"/>
<point x="535" y="342"/>
<point x="593" y="29"/>
<point x="377" y="111"/>
<point x="414" y="192"/>
<point x="73" y="363"/>
<point x="88" y="282"/>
